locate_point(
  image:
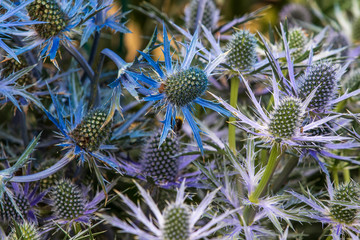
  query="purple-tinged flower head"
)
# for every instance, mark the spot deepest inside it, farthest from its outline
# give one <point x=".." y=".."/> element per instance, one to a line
<point x="25" y="231"/>
<point x="50" y="12"/>
<point x="337" y="40"/>
<point x="346" y="193"/>
<point x="242" y="50"/>
<point x="323" y="76"/>
<point x="8" y="210"/>
<point x="176" y="222"/>
<point x="294" y="12"/>
<point x="201" y="11"/>
<point x="179" y="86"/>
<point x="68" y="200"/>
<point x="297" y="40"/>
<point x="286" y="118"/>
<point x="161" y="163"/>
<point x="90" y="133"/>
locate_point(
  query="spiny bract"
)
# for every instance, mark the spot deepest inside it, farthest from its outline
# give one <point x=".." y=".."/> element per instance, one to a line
<point x="242" y="47"/>
<point x="345" y="193"/>
<point x="208" y="15"/>
<point x="286" y="118"/>
<point x="68" y="200"/>
<point x="8" y="211"/>
<point x="297" y="40"/>
<point x="26" y="231"/>
<point x="323" y="76"/>
<point x="160" y="162"/>
<point x="47" y="11"/>
<point x="88" y="134"/>
<point x="185" y="86"/>
<point x="176" y="223"/>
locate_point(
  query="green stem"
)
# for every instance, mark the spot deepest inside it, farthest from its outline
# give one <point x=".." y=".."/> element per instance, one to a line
<point x="291" y="163"/>
<point x="269" y="171"/>
<point x="234" y="90"/>
<point x="335" y="176"/>
<point x="346" y="173"/>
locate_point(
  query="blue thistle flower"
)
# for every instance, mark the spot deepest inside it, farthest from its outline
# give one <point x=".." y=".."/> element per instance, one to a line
<point x="242" y="50"/>
<point x="345" y="193"/>
<point x="25" y="231"/>
<point x="176" y="222"/>
<point x="206" y="14"/>
<point x="179" y="87"/>
<point x="294" y="12"/>
<point x="297" y="40"/>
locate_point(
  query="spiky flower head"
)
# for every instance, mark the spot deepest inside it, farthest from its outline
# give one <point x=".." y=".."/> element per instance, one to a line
<point x="209" y="18"/>
<point x="176" y="222"/>
<point x="346" y="193"/>
<point x="242" y="49"/>
<point x="51" y="180"/>
<point x="68" y="200"/>
<point x="183" y="87"/>
<point x="25" y="231"/>
<point x="161" y="162"/>
<point x="88" y="134"/>
<point x="47" y="11"/>
<point x="323" y="76"/>
<point x="286" y="118"/>
<point x="338" y="40"/>
<point x="297" y="40"/>
<point x="356" y="30"/>
<point x="8" y="210"/>
<point x="11" y="66"/>
<point x="295" y="12"/>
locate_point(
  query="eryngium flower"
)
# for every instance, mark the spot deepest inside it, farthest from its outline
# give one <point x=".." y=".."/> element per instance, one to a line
<point x="323" y="76"/>
<point x="160" y="162"/>
<point x="352" y="80"/>
<point x="242" y="49"/>
<point x="286" y="118"/>
<point x="26" y="231"/>
<point x="297" y="40"/>
<point x="338" y="40"/>
<point x="356" y="30"/>
<point x="68" y="200"/>
<point x="89" y="134"/>
<point x="295" y="12"/>
<point x="8" y="210"/>
<point x="47" y="11"/>
<point x="345" y="193"/>
<point x="209" y="18"/>
<point x="176" y="222"/>
<point x="11" y="66"/>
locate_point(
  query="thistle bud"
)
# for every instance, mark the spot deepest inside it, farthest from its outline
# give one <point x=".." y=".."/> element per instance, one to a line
<point x="176" y="223"/>
<point x="323" y="76"/>
<point x="185" y="86"/>
<point x="242" y="49"/>
<point x="26" y="231"/>
<point x="160" y="162"/>
<point x="68" y="200"/>
<point x="209" y="18"/>
<point x="345" y="193"/>
<point x="47" y="11"/>
<point x="286" y="118"/>
<point x="297" y="40"/>
<point x="88" y="134"/>
<point x="8" y="210"/>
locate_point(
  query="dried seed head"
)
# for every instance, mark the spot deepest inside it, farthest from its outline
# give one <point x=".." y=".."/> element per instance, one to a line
<point x="47" y="11"/>
<point x="68" y="200"/>
<point x="323" y="76"/>
<point x="209" y="18"/>
<point x="159" y="162"/>
<point x="8" y="211"/>
<point x="176" y="223"/>
<point x="286" y="118"/>
<point x="185" y="86"/>
<point x="88" y="134"/>
<point x="27" y="231"/>
<point x="345" y="193"/>
<point x="297" y="39"/>
<point x="242" y="48"/>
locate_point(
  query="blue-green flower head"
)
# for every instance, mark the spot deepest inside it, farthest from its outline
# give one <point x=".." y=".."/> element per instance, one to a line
<point x="161" y="162"/>
<point x="286" y="118"/>
<point x="324" y="77"/>
<point x="297" y="40"/>
<point x="178" y="88"/>
<point x="25" y="231"/>
<point x="242" y="49"/>
<point x="183" y="87"/>
<point x="207" y="15"/>
<point x="8" y="210"/>
<point x="68" y="200"/>
<point x="176" y="222"/>
<point x="345" y="193"/>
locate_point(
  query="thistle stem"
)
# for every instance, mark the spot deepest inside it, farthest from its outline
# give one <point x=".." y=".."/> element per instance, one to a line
<point x="94" y="96"/>
<point x="234" y="89"/>
<point x="269" y="171"/>
<point x="346" y="173"/>
<point x="290" y="165"/>
<point x="335" y="175"/>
